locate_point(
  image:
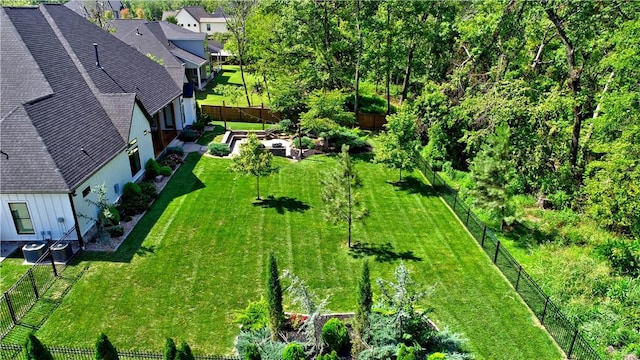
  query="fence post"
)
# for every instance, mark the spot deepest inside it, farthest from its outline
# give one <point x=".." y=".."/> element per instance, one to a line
<point x="484" y="234"/>
<point x="262" y="117"/>
<point x="223" y="118"/>
<point x="434" y="178"/>
<point x="53" y="264"/>
<point x="33" y="283"/>
<point x="544" y="312"/>
<point x="495" y="256"/>
<point x="573" y="341"/>
<point x="518" y="281"/>
<point x="468" y="211"/>
<point x="455" y="201"/>
<point x="10" y="306"/>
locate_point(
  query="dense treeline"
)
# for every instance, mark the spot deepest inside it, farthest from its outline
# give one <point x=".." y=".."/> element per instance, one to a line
<point x="535" y="98"/>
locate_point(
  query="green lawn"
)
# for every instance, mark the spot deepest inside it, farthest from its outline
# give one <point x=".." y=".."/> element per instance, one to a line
<point x="11" y="269"/>
<point x="200" y="253"/>
<point x="230" y="75"/>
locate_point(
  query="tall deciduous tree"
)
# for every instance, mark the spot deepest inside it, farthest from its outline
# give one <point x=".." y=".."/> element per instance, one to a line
<point x="237" y="12"/>
<point x="399" y="144"/>
<point x="326" y="111"/>
<point x="340" y="193"/>
<point x="253" y="160"/>
<point x="274" y="297"/>
<point x="34" y="350"/>
<point x="104" y="349"/>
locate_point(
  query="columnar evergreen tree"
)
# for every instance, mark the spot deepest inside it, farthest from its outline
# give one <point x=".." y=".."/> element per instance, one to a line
<point x="169" y="349"/>
<point x="340" y="193"/>
<point x="34" y="350"/>
<point x="492" y="169"/>
<point x="399" y="144"/>
<point x="104" y="349"/>
<point x="365" y="300"/>
<point x="274" y="297"/>
<point x="184" y="353"/>
<point x="253" y="160"/>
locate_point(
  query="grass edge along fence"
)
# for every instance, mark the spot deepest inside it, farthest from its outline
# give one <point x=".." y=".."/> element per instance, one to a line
<point x="23" y="294"/>
<point x="12" y="351"/>
<point x="563" y="331"/>
<point x="264" y="115"/>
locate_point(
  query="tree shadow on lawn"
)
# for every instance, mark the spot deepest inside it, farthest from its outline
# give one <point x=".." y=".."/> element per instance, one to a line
<point x="381" y="252"/>
<point x="413" y="185"/>
<point x="181" y="183"/>
<point x="282" y="203"/>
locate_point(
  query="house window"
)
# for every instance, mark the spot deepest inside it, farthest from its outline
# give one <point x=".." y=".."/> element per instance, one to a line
<point x="208" y="27"/>
<point x="134" y="159"/>
<point x="21" y="218"/>
<point x="168" y="117"/>
<point x="86" y="191"/>
<point x="188" y="25"/>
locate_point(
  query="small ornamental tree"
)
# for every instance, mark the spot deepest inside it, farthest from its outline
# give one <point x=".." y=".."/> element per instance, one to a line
<point x="253" y="160"/>
<point x="104" y="349"/>
<point x="336" y="336"/>
<point x="169" y="349"/>
<point x="365" y="301"/>
<point x="399" y="144"/>
<point x="274" y="297"/>
<point x="34" y="350"/>
<point x="340" y="193"/>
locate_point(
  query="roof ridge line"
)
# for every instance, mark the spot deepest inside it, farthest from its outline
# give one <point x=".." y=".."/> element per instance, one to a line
<point x="72" y="55"/>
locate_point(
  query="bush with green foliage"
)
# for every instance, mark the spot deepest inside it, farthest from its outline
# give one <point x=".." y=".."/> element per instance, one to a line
<point x="109" y="217"/>
<point x="336" y="336"/>
<point x="344" y="136"/>
<point x="286" y="126"/>
<point x="165" y="171"/>
<point x="151" y="168"/>
<point x="332" y="356"/>
<point x="169" y="349"/>
<point x="133" y="200"/>
<point x="201" y="122"/>
<point x="293" y="351"/>
<point x="624" y="255"/>
<point x="35" y="350"/>
<point x="254" y="317"/>
<point x="149" y="190"/>
<point x="115" y="231"/>
<point x="178" y="150"/>
<point x="437" y="356"/>
<point x="307" y="143"/>
<point x="252" y="352"/>
<point x="219" y="149"/>
<point x="406" y="353"/>
<point x="104" y="349"/>
<point x="188" y="135"/>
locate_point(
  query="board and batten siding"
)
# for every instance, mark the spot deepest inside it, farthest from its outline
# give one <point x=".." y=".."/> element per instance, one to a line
<point x="48" y="213"/>
<point x="115" y="174"/>
<point x="216" y="27"/>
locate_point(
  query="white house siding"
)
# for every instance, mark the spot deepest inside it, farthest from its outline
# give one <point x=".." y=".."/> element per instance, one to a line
<point x="189" y="110"/>
<point x="116" y="173"/>
<point x="45" y="211"/>
<point x="187" y="21"/>
<point x="216" y="26"/>
<point x="178" y="113"/>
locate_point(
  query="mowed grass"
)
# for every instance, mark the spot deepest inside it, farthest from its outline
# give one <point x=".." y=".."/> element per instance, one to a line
<point x="12" y="269"/>
<point x="230" y="75"/>
<point x="199" y="256"/>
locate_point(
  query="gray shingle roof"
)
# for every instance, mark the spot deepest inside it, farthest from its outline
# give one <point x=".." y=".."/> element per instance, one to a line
<point x="62" y="117"/>
<point x="198" y="12"/>
<point x="175" y="32"/>
<point x="187" y="56"/>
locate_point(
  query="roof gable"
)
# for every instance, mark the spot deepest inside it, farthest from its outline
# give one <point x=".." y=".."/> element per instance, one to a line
<point x="197" y="12"/>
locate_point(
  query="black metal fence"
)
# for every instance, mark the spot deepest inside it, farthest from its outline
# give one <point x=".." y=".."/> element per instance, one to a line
<point x="561" y="329"/>
<point x="20" y="298"/>
<point x="10" y="352"/>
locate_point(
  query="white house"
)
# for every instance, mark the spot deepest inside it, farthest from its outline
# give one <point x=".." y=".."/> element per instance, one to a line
<point x="87" y="112"/>
<point x="197" y="19"/>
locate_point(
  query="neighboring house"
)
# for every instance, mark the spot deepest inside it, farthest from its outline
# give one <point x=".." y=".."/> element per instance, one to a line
<point x="89" y="9"/>
<point x="197" y="19"/>
<point x="79" y="109"/>
<point x="167" y="14"/>
<point x="180" y="51"/>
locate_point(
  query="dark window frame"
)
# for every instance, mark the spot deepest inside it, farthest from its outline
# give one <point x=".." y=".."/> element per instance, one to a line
<point x="14" y="213"/>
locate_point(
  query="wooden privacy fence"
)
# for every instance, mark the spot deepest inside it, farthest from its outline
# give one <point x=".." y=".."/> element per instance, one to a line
<point x="265" y="115"/>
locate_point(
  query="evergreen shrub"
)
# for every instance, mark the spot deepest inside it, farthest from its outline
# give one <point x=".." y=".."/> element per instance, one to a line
<point x="293" y="351"/>
<point x="336" y="336"/>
